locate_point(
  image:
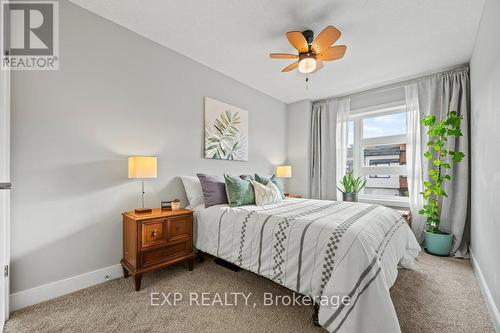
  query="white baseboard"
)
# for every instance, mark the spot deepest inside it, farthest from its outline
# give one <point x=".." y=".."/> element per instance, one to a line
<point x="55" y="289"/>
<point x="490" y="303"/>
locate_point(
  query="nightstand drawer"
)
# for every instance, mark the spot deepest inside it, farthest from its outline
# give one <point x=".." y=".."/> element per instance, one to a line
<point x="153" y="233"/>
<point x="179" y="227"/>
<point x="165" y="254"/>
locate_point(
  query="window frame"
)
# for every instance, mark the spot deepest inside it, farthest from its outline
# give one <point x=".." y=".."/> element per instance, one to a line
<point x="360" y="143"/>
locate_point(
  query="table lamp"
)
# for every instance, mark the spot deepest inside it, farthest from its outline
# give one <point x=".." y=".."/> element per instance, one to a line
<point x="284" y="171"/>
<point x="142" y="167"/>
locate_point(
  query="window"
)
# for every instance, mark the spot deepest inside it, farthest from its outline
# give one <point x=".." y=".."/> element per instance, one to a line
<point x="386" y="125"/>
<point x="350" y="146"/>
<point x="377" y="151"/>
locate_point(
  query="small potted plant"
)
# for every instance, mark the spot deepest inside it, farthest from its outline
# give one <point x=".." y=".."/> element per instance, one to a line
<point x="350" y="187"/>
<point x="436" y="241"/>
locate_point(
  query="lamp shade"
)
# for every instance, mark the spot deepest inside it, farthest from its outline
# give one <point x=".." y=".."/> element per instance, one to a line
<point x="142" y="167"/>
<point x="284" y="171"/>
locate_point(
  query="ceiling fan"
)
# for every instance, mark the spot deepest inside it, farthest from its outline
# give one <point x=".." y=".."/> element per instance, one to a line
<point x="312" y="52"/>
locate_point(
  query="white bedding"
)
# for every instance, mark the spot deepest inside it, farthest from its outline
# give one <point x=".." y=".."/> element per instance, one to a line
<point x="318" y="248"/>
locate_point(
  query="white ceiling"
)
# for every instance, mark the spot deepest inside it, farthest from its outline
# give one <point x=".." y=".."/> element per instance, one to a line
<point x="386" y="39"/>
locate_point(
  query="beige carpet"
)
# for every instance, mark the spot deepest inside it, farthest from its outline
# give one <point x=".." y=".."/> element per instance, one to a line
<point x="442" y="296"/>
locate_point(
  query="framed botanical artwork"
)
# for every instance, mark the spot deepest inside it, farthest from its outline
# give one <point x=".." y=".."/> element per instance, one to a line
<point x="226" y="131"/>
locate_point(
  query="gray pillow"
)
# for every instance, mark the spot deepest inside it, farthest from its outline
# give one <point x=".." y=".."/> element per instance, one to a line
<point x="214" y="189"/>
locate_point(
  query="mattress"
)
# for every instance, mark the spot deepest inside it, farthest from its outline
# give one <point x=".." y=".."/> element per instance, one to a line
<point x="323" y="249"/>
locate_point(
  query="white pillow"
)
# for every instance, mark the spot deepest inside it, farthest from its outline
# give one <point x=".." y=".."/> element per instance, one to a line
<point x="194" y="192"/>
<point x="266" y="194"/>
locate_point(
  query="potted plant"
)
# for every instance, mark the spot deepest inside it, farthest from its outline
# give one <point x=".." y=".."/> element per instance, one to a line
<point x="351" y="187"/>
<point x="442" y="160"/>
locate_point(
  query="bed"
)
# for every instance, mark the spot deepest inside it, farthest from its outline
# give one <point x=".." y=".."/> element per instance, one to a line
<point x="322" y="249"/>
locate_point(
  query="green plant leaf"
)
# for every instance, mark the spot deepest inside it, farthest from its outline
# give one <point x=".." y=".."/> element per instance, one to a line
<point x="429" y="120"/>
<point x="439" y="133"/>
<point x="350" y="184"/>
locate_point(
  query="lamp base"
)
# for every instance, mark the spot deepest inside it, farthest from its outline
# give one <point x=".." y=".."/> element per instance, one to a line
<point x="143" y="210"/>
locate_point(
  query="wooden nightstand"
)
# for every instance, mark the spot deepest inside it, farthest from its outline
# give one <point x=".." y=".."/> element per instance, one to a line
<point x="156" y="240"/>
<point x="406" y="215"/>
<point x="289" y="195"/>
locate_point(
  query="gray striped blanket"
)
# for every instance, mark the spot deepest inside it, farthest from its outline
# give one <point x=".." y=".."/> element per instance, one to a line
<point x="323" y="249"/>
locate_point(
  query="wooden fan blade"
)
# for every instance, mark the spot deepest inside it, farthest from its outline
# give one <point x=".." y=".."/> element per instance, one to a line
<point x="332" y="53"/>
<point x="283" y="56"/>
<point x="327" y="37"/>
<point x="290" y="67"/>
<point x="319" y="65"/>
<point x="297" y="39"/>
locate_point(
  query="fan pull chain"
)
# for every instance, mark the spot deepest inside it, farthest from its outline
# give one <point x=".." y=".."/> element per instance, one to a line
<point x="307" y="82"/>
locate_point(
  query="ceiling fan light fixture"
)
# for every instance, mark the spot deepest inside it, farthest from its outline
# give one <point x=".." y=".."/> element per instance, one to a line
<point x="312" y="52"/>
<point x="307" y="65"/>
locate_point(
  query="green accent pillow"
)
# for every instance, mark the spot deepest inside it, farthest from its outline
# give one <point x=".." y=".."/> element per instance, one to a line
<point x="275" y="180"/>
<point x="239" y="191"/>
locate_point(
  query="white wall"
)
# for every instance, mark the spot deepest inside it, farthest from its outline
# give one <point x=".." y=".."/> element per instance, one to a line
<point x="298" y="129"/>
<point x="485" y="140"/>
<point x="116" y="94"/>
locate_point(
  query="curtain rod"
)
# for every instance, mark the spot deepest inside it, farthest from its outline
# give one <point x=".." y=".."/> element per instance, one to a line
<point x="397" y="83"/>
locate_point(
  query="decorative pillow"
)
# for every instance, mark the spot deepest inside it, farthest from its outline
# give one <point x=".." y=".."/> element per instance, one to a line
<point x="247" y="177"/>
<point x="214" y="189"/>
<point x="266" y="194"/>
<point x="194" y="193"/>
<point x="276" y="181"/>
<point x="239" y="192"/>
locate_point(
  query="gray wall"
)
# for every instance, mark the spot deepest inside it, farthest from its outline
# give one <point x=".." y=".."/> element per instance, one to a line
<point x="116" y="94"/>
<point x="485" y="137"/>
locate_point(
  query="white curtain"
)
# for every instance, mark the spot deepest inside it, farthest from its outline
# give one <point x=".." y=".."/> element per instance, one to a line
<point x="343" y="108"/>
<point x="415" y="173"/>
<point x="328" y="141"/>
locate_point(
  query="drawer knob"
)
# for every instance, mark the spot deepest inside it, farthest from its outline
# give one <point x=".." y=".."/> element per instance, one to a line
<point x="154" y="233"/>
<point x="178" y="228"/>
